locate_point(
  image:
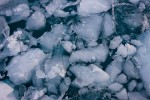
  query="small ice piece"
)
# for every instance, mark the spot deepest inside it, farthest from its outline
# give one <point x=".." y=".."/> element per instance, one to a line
<point x="68" y="46"/>
<point x="132" y="85"/>
<point x="14" y="45"/>
<point x="83" y="90"/>
<point x="36" y="21"/>
<point x="3" y="2"/>
<point x="21" y="67"/>
<point x="90" y="54"/>
<point x="53" y="6"/>
<point x="136" y="96"/>
<point x="108" y="27"/>
<point x="136" y="43"/>
<point x="6" y="92"/>
<point x="115" y="42"/>
<point x="130" y="70"/>
<point x="61" y="13"/>
<point x="87" y="7"/>
<point x="115" y="87"/>
<point x="89" y="28"/>
<point x="122" y="50"/>
<point x="122" y="95"/>
<point x="64" y="86"/>
<point x="115" y="67"/>
<point x="122" y="79"/>
<point x="130" y="49"/>
<point x="134" y="1"/>
<point x="86" y="75"/>
<point x="20" y="12"/>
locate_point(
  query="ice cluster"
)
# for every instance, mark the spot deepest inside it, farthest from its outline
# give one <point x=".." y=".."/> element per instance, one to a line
<point x="74" y="50"/>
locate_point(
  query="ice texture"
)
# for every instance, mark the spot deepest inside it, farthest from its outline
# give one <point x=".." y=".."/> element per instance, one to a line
<point x="20" y="69"/>
<point x="87" y="7"/>
<point x="90" y="54"/>
<point x="86" y="75"/>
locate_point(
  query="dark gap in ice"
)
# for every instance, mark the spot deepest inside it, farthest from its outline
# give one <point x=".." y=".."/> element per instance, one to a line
<point x="8" y="60"/>
<point x="107" y="62"/>
<point x="71" y="0"/>
<point x="39" y="33"/>
<point x="31" y="1"/>
<point x="73" y="19"/>
<point x="15" y="26"/>
<point x="70" y="8"/>
<point x="72" y="91"/>
<point x="54" y="20"/>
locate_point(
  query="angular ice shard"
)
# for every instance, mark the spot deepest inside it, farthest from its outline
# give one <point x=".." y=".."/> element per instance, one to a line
<point x="21" y="67"/>
<point x="87" y="7"/>
<point x="90" y="54"/>
<point x="36" y="21"/>
<point x="122" y="95"/>
<point x="115" y="87"/>
<point x="115" y="42"/>
<point x="89" y="28"/>
<point x="144" y="55"/>
<point x="86" y="75"/>
<point x="6" y="92"/>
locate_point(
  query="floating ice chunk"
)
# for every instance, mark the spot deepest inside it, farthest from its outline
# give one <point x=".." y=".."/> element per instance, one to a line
<point x="21" y="67"/>
<point x="132" y="85"/>
<point x="134" y="1"/>
<point x="115" y="67"/>
<point x="87" y="7"/>
<point x="86" y="75"/>
<point x="130" y="70"/>
<point x="53" y="6"/>
<point x="108" y="27"/>
<point x="143" y="56"/>
<point x="13" y="45"/>
<point x="122" y="50"/>
<point x="122" y="79"/>
<point x="89" y="28"/>
<point x="36" y="21"/>
<point x="136" y="43"/>
<point x="97" y="54"/>
<point x="122" y="95"/>
<point x="115" y="87"/>
<point x="131" y="49"/>
<point x="68" y="46"/>
<point x="20" y="12"/>
<point x="115" y="42"/>
<point x="61" y="13"/>
<point x="6" y="92"/>
<point x="136" y="96"/>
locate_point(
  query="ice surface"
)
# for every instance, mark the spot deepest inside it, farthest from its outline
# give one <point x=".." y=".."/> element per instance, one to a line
<point x="122" y="79"/>
<point x="36" y="21"/>
<point x="132" y="85"/>
<point x="90" y="54"/>
<point x="143" y="55"/>
<point x="115" y="42"/>
<point x="87" y="7"/>
<point x="6" y="92"/>
<point x="86" y="75"/>
<point x="115" y="67"/>
<point x="21" y="67"/>
<point x="136" y="96"/>
<point x="89" y="28"/>
<point x="115" y="87"/>
<point x="122" y="95"/>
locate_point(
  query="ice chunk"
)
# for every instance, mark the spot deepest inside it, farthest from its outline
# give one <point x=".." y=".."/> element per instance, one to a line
<point x="143" y="56"/>
<point x="108" y="27"/>
<point x="21" y="67"/>
<point x="136" y="42"/>
<point x="87" y="7"/>
<point x="115" y="87"/>
<point x="122" y="95"/>
<point x="86" y="75"/>
<point x="134" y="1"/>
<point x="115" y="67"/>
<point x="6" y="92"/>
<point x="122" y="50"/>
<point x="68" y="46"/>
<point x="121" y="79"/>
<point x="131" y="49"/>
<point x="115" y="42"/>
<point x="90" y="54"/>
<point x="3" y="2"/>
<point x="136" y="96"/>
<point x="132" y="85"/>
<point x="36" y="21"/>
<point x="130" y="70"/>
<point x="89" y="28"/>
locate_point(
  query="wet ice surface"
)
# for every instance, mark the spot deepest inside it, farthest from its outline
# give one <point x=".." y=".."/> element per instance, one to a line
<point x="74" y="50"/>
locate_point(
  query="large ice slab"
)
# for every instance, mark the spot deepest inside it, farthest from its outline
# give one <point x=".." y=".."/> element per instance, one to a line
<point x="21" y="67"/>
